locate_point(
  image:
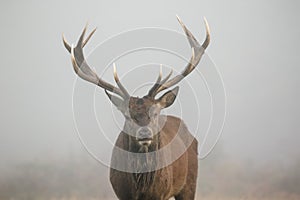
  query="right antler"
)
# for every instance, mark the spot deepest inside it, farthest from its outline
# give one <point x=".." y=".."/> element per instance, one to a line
<point x="83" y="70"/>
<point x="197" y="52"/>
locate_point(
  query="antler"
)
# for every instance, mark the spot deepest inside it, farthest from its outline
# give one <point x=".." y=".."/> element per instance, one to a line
<point x="83" y="70"/>
<point x="197" y="52"/>
<point x="152" y="92"/>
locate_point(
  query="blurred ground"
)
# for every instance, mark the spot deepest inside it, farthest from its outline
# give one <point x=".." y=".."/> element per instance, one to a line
<point x="220" y="177"/>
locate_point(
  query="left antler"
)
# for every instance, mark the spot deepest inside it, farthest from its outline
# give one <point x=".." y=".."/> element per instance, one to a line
<point x="197" y="52"/>
<point x="83" y="70"/>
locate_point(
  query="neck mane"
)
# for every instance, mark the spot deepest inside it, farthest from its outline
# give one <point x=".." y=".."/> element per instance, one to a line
<point x="144" y="163"/>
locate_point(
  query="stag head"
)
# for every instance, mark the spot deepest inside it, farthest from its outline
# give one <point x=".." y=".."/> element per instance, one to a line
<point x="142" y="115"/>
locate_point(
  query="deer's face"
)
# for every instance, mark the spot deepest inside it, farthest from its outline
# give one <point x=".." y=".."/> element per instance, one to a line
<point x="142" y="119"/>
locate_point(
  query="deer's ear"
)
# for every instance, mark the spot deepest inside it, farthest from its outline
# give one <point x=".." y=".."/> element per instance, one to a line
<point x="168" y="98"/>
<point x="118" y="102"/>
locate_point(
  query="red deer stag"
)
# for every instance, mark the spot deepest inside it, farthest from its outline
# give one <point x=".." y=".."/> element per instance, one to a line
<point x="149" y="173"/>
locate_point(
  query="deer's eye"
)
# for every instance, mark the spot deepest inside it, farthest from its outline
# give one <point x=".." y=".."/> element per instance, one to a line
<point x="127" y="117"/>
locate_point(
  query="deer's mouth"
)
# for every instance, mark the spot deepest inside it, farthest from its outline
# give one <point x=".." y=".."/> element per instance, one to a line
<point x="145" y="141"/>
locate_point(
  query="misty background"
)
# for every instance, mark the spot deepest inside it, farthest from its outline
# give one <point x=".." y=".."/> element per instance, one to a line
<point x="254" y="44"/>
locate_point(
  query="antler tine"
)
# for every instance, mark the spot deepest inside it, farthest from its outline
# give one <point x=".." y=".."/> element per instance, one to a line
<point x="83" y="70"/>
<point x="167" y="77"/>
<point x="156" y="84"/>
<point x="67" y="46"/>
<point x="160" y="74"/>
<point x="207" y="39"/>
<point x="88" y="37"/>
<point x="153" y="91"/>
<point x="116" y="77"/>
<point x="197" y="52"/>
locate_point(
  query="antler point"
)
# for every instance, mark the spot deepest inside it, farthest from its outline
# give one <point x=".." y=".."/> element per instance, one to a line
<point x="115" y="70"/>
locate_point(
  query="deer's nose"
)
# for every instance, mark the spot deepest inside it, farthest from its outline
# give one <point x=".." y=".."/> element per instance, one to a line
<point x="144" y="133"/>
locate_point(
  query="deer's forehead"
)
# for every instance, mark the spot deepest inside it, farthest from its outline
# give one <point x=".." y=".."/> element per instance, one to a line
<point x="140" y="105"/>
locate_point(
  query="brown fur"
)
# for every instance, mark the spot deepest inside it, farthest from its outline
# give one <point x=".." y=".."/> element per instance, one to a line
<point x="175" y="180"/>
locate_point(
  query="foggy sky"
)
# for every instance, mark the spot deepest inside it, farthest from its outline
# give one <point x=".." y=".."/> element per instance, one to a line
<point x="253" y="43"/>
